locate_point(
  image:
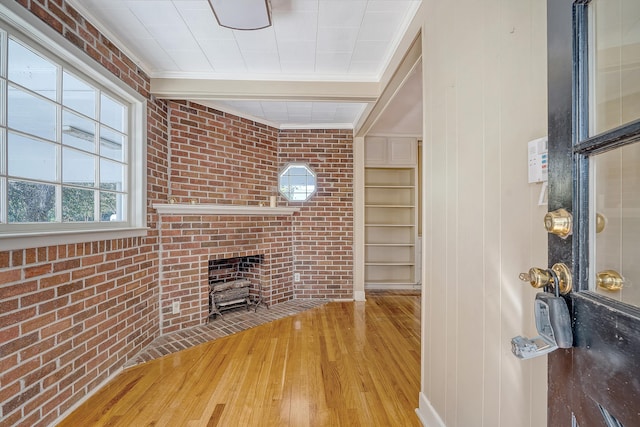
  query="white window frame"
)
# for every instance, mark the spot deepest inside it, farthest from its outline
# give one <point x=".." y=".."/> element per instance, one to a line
<point x="310" y="171"/>
<point x="23" y="24"/>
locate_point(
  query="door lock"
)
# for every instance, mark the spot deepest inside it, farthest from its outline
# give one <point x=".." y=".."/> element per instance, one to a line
<point x="559" y="222"/>
<point x="553" y="321"/>
<point x="558" y="276"/>
<point x="610" y="280"/>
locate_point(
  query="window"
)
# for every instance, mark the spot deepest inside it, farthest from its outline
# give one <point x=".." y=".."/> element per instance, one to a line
<point x="607" y="149"/>
<point x="297" y="182"/>
<point x="71" y="140"/>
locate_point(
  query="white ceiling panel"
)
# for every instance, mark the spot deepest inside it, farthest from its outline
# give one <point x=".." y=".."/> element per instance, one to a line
<point x="298" y="26"/>
<point x="310" y="41"/>
<point x="340" y="13"/>
<point x="368" y="50"/>
<point x="261" y="62"/>
<point x="297" y="67"/>
<point x="337" y="40"/>
<point x="297" y="50"/>
<point x="189" y="60"/>
<point x="375" y="26"/>
<point x="333" y="62"/>
<point x="223" y="55"/>
<point x="264" y="39"/>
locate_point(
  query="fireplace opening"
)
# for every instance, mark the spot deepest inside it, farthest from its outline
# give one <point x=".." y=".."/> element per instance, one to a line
<point x="235" y="283"/>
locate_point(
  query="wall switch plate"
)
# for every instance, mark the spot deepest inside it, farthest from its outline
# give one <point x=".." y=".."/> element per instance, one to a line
<point x="296" y="277"/>
<point x="175" y="307"/>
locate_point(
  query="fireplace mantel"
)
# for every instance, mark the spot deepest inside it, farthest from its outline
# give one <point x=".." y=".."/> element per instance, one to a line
<point x="214" y="209"/>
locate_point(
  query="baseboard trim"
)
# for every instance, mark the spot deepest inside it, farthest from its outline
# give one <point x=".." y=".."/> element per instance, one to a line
<point x="427" y="414"/>
<point x="359" y="296"/>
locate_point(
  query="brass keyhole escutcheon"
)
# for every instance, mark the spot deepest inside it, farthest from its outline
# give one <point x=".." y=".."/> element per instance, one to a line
<point x="610" y="280"/>
<point x="559" y="222"/>
<point x="539" y="278"/>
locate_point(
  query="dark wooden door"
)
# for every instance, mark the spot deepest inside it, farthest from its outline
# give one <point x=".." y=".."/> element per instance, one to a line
<point x="597" y="381"/>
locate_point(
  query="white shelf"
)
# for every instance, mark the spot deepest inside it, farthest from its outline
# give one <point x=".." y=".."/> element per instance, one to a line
<point x="390" y="226"/>
<point x="214" y="209"/>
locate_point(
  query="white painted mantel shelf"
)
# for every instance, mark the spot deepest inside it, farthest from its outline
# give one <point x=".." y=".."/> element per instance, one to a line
<point x="213" y="209"/>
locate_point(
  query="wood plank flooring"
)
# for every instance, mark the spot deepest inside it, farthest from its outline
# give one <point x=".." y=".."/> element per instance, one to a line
<point x="340" y="364"/>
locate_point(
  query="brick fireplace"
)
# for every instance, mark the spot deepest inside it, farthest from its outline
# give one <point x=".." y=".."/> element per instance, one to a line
<point x="190" y="240"/>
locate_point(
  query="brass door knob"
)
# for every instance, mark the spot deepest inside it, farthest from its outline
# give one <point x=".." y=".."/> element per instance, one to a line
<point x="610" y="280"/>
<point x="559" y="276"/>
<point x="559" y="222"/>
<point x="537" y="277"/>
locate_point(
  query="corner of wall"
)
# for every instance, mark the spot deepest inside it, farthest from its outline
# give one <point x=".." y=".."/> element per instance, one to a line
<point x="427" y="414"/>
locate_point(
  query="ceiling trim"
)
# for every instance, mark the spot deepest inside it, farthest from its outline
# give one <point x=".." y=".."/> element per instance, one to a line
<point x="207" y="89"/>
<point x="407" y="39"/>
<point x="411" y="59"/>
<point x="229" y="110"/>
<point x="348" y="126"/>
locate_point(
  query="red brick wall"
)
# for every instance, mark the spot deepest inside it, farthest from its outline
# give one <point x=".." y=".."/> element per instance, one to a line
<point x="220" y="158"/>
<point x="190" y="241"/>
<point x="323" y="238"/>
<point x="72" y="315"/>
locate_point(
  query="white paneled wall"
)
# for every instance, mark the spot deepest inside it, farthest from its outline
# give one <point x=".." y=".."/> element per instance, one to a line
<point x="484" y="65"/>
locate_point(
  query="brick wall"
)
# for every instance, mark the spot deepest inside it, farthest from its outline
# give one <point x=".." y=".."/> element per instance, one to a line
<point x="220" y="158"/>
<point x="190" y="241"/>
<point x="323" y="238"/>
<point x="72" y="315"/>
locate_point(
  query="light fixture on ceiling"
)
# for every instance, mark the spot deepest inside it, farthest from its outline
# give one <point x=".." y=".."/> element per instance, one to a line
<point x="242" y="14"/>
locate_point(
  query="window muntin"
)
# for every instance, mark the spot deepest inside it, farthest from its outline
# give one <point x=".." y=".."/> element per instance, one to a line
<point x="79" y="88"/>
<point x="606" y="145"/>
<point x="55" y="166"/>
<point x="297" y="182"/>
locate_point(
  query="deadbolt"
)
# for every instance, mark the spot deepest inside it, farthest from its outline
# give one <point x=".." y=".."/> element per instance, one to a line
<point x="610" y="280"/>
<point x="559" y="276"/>
<point x="559" y="222"/>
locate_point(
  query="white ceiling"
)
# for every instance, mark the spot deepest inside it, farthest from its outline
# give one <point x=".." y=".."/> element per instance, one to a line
<point x="309" y="41"/>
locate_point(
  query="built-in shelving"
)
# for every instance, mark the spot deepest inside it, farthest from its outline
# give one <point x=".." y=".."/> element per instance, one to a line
<point x="390" y="226"/>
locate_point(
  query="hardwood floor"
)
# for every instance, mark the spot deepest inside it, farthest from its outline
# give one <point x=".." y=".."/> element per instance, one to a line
<point x="341" y="364"/>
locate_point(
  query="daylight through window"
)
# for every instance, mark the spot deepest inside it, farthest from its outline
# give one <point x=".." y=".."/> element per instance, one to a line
<point x="64" y="142"/>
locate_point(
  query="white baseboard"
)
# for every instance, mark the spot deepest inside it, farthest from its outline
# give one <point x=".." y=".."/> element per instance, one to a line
<point x="359" y="296"/>
<point x="427" y="414"/>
